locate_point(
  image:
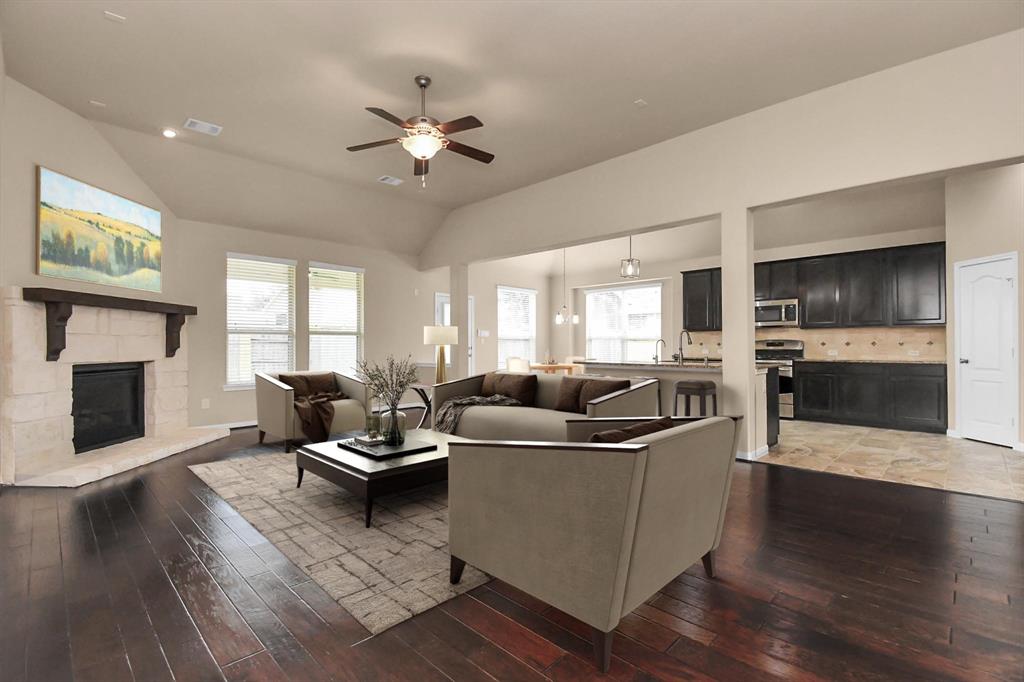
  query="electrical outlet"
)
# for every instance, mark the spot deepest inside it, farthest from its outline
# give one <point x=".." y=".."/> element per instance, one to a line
<point x="913" y="353"/>
<point x="205" y="403"/>
<point x="705" y="351"/>
<point x="833" y="353"/>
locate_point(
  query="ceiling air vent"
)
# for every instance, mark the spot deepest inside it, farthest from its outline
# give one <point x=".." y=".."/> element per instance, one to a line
<point x="203" y="127"/>
<point x="389" y="180"/>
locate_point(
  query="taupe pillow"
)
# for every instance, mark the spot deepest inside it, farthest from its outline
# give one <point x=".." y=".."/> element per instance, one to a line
<point x="595" y="388"/>
<point x="522" y="387"/>
<point x="635" y="431"/>
<point x="569" y="394"/>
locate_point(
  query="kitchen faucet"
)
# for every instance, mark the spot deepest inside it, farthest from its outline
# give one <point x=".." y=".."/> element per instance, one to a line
<point x="689" y="342"/>
<point x="657" y="358"/>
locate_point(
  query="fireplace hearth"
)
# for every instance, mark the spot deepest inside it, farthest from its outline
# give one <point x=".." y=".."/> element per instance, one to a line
<point x="108" y="404"/>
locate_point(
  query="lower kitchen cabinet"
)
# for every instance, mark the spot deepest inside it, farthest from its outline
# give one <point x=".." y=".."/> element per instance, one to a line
<point x="906" y="396"/>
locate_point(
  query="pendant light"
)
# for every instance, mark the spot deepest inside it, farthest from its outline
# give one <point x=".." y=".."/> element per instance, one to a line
<point x="630" y="267"/>
<point x="562" y="316"/>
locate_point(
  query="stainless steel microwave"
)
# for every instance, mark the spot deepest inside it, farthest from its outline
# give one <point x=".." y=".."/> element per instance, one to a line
<point x="783" y="312"/>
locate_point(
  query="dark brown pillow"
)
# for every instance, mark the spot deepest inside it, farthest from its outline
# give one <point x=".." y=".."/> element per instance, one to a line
<point x="595" y="388"/>
<point x="310" y="384"/>
<point x="630" y="432"/>
<point x="569" y="394"/>
<point x="522" y="387"/>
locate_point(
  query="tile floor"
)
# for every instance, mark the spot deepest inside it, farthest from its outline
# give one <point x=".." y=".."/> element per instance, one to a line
<point x="923" y="459"/>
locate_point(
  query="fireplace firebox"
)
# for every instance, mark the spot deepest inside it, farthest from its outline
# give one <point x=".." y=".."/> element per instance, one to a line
<point x="108" y="404"/>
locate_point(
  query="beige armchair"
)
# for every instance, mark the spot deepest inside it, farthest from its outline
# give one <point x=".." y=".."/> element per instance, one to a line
<point x="592" y="529"/>
<point x="275" y="406"/>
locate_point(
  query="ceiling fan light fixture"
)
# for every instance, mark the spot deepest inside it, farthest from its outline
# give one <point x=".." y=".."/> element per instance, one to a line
<point x="423" y="142"/>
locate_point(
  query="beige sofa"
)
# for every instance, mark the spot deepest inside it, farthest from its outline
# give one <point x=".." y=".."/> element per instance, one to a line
<point x="592" y="529"/>
<point x="275" y="406"/>
<point x="540" y="422"/>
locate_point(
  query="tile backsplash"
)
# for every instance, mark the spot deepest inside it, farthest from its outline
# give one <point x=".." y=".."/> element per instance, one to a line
<point x="879" y="344"/>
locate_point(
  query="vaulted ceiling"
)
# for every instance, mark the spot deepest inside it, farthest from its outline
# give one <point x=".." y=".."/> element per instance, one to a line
<point x="553" y="82"/>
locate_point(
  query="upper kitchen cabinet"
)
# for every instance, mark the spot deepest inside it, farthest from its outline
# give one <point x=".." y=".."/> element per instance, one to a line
<point x="774" y="281"/>
<point x="702" y="300"/>
<point x="918" y="281"/>
<point x="864" y="290"/>
<point x="819" y="292"/>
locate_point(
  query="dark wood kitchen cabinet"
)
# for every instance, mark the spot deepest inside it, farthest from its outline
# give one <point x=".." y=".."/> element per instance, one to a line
<point x="864" y="290"/>
<point x="910" y="397"/>
<point x="774" y="281"/>
<point x="819" y="292"/>
<point x="919" y="284"/>
<point x="702" y="300"/>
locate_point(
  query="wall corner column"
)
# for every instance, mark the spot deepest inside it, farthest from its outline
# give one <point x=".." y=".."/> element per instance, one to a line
<point x="459" y="288"/>
<point x="738" y="365"/>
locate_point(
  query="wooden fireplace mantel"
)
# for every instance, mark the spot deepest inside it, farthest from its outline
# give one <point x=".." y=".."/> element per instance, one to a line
<point x="60" y="304"/>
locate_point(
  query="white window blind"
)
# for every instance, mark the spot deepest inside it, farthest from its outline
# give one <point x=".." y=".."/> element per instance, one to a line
<point x="335" y="318"/>
<point x="517" y="324"/>
<point x="623" y="323"/>
<point x="260" y="317"/>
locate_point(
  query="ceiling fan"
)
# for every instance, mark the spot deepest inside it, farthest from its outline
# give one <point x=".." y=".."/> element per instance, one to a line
<point x="426" y="136"/>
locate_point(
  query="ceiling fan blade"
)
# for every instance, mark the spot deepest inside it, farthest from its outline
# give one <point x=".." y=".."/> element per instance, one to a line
<point x="371" y="145"/>
<point x="471" y="152"/>
<point x="420" y="167"/>
<point x="387" y="116"/>
<point x="460" y="124"/>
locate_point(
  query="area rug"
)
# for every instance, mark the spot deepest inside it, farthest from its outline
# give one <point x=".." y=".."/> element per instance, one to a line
<point x="382" y="575"/>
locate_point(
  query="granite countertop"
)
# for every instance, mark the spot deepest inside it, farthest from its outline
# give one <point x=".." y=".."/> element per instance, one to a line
<point x="874" y="362"/>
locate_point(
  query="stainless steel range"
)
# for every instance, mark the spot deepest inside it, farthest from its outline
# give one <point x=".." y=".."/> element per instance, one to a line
<point x="782" y="351"/>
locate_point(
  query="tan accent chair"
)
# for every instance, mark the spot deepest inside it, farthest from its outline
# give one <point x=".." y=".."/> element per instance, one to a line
<point x="592" y="529"/>
<point x="540" y="422"/>
<point x="275" y="406"/>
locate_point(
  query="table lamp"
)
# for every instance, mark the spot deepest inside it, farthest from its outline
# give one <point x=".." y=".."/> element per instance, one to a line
<point x="440" y="337"/>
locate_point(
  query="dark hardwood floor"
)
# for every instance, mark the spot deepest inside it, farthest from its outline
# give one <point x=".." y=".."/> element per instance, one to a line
<point x="150" y="576"/>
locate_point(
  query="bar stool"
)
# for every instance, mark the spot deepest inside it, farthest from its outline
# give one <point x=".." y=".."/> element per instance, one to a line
<point x="700" y="389"/>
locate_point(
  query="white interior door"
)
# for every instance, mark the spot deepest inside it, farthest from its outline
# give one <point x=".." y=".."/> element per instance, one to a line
<point x="988" y="371"/>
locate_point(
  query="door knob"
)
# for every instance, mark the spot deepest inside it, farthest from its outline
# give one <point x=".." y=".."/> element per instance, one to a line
<point x="964" y="361"/>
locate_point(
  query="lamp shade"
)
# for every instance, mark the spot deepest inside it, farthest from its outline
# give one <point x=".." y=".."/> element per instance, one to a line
<point x="440" y="336"/>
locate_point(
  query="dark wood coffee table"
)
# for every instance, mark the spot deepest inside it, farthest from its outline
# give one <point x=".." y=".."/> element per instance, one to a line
<point x="371" y="478"/>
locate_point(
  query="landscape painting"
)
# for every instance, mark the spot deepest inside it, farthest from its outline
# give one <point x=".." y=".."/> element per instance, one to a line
<point x="88" y="234"/>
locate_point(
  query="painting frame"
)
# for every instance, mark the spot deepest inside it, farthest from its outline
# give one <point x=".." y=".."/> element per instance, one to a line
<point x="94" y="264"/>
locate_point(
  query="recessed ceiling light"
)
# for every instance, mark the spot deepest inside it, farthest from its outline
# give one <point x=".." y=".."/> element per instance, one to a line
<point x="640" y="103"/>
<point x="170" y="133"/>
<point x="97" y="103"/>
<point x="115" y="17"/>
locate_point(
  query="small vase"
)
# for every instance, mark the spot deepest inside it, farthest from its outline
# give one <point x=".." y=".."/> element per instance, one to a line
<point x="392" y="425"/>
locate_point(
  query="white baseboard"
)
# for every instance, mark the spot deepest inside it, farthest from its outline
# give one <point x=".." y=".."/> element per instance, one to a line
<point x="1019" y="447"/>
<point x="232" y="425"/>
<point x="752" y="456"/>
<point x="953" y="433"/>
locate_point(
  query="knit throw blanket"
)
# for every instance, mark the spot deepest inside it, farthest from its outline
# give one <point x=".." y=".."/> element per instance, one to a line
<point x="450" y="413"/>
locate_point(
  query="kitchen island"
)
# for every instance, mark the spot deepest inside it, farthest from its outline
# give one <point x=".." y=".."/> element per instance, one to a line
<point x="766" y="418"/>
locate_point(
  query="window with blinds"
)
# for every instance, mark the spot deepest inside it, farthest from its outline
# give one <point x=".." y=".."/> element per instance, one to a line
<point x="623" y="323"/>
<point x="517" y="324"/>
<point x="335" y="317"/>
<point x="260" y="317"/>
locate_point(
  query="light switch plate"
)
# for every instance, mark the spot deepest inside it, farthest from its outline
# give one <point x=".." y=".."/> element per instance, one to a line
<point x="205" y="403"/>
<point x="483" y="333"/>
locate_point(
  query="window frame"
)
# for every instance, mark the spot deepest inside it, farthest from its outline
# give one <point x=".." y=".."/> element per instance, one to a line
<point x="229" y="330"/>
<point x="625" y="339"/>
<point x="359" y="334"/>
<point x="499" y="338"/>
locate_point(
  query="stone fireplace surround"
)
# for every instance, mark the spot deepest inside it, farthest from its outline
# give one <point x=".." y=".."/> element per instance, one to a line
<point x="36" y="427"/>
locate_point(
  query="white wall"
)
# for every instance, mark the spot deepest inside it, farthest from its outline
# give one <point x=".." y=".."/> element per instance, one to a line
<point x="984" y="217"/>
<point x="484" y="279"/>
<point x="950" y="110"/>
<point x="42" y="132"/>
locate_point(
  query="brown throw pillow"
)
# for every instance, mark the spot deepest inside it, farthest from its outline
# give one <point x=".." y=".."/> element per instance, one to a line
<point x="630" y="432"/>
<point x="310" y="384"/>
<point x="595" y="388"/>
<point x="522" y="387"/>
<point x="569" y="394"/>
